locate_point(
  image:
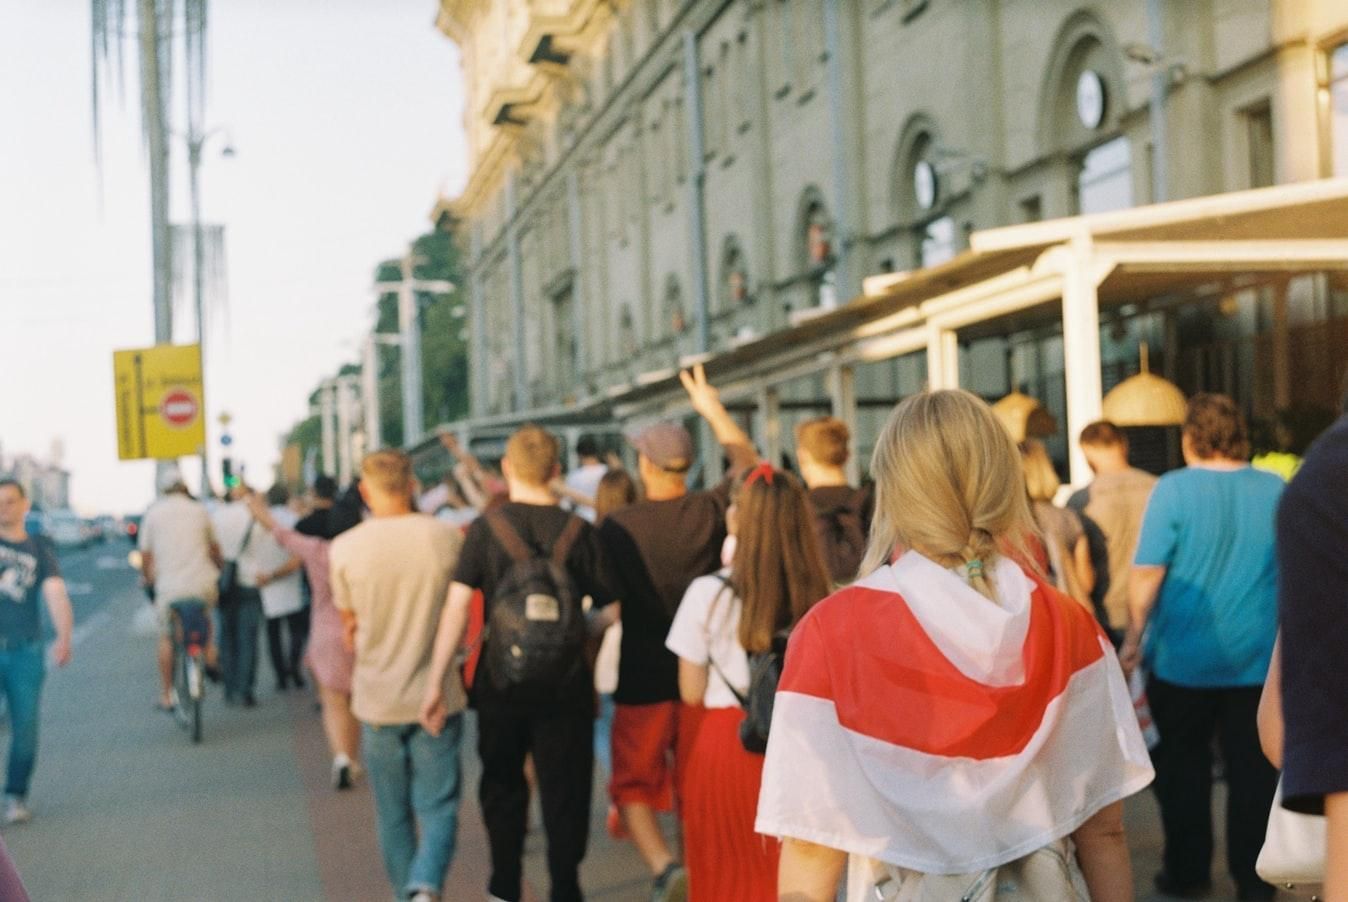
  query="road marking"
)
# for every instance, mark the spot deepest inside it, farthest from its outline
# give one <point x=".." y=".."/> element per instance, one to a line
<point x="111" y="563"/>
<point x="74" y="589"/>
<point x="146" y="621"/>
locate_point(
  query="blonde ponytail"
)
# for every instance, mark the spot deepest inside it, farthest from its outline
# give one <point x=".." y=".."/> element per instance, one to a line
<point x="948" y="484"/>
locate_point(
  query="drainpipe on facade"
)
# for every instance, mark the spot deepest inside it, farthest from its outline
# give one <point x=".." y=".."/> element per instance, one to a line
<point x="697" y="176"/>
<point x="574" y="225"/>
<point x="842" y="223"/>
<point x="478" y="374"/>
<point x="1160" y="78"/>
<point x="516" y="294"/>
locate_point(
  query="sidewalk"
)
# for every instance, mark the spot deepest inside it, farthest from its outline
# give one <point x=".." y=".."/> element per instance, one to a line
<point x="126" y="808"/>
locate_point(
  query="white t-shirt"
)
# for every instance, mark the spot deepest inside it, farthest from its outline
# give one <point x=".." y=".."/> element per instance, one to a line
<point x="177" y="531"/>
<point x="706" y="629"/>
<point x="231" y="525"/>
<point x="585" y="480"/>
<point x="286" y="595"/>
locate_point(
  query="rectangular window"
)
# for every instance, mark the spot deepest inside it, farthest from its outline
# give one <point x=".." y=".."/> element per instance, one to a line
<point x="1259" y="141"/>
<point x="1338" y="110"/>
<point x="1031" y="209"/>
<point x="1105" y="182"/>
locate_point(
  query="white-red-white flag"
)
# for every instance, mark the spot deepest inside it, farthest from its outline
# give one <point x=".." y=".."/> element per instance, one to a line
<point x="920" y="724"/>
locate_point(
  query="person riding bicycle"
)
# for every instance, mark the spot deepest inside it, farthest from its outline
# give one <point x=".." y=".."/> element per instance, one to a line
<point x="180" y="561"/>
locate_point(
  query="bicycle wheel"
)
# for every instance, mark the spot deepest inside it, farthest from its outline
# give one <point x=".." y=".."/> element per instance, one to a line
<point x="193" y="697"/>
<point x="182" y="699"/>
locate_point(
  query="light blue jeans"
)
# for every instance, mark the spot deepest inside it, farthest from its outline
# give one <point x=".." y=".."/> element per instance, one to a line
<point x="22" y="669"/>
<point x="415" y="778"/>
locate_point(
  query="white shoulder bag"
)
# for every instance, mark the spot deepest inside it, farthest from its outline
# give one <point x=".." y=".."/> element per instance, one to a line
<point x="1293" y="856"/>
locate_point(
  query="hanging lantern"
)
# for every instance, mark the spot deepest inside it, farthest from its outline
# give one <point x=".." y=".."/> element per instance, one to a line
<point x="1024" y="417"/>
<point x="1145" y="400"/>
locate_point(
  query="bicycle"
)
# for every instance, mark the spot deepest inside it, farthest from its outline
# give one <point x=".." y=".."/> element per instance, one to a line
<point x="191" y="631"/>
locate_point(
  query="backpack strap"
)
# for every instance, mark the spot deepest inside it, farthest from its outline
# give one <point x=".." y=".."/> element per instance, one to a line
<point x="561" y="549"/>
<point x="510" y="539"/>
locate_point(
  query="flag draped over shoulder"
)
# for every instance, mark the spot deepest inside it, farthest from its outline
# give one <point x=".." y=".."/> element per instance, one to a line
<point x="923" y="725"/>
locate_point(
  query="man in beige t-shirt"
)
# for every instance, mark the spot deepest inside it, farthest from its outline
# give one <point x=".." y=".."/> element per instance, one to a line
<point x="390" y="578"/>
<point x="1112" y="507"/>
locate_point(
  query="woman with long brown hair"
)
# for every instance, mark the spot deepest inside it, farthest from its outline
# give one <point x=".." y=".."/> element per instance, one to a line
<point x="778" y="573"/>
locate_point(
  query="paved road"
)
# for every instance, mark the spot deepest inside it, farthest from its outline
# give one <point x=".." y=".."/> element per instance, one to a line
<point x="127" y="809"/>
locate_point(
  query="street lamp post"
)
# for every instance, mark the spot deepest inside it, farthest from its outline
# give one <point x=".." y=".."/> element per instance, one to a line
<point x="369" y="373"/>
<point x="196" y="142"/>
<point x="409" y="326"/>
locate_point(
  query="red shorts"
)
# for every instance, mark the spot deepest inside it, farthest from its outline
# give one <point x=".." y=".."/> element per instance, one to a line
<point x="644" y="737"/>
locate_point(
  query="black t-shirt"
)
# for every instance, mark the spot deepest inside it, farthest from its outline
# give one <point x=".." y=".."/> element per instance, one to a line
<point x="24" y="566"/>
<point x="1313" y="609"/>
<point x="654" y="550"/>
<point x="316" y="523"/>
<point x="483" y="563"/>
<point x="843" y="548"/>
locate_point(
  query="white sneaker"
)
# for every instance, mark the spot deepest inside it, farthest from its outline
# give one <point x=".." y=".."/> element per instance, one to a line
<point x="341" y="772"/>
<point x="424" y="896"/>
<point x="16" y="812"/>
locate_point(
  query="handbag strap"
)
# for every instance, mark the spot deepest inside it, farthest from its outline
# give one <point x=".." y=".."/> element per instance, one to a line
<point x="247" y="537"/>
<point x="740" y="697"/>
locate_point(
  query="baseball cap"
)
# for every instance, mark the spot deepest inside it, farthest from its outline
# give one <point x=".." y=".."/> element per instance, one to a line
<point x="667" y="445"/>
<point x="169" y="479"/>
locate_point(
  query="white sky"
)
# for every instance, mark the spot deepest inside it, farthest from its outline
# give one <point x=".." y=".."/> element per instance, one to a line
<point x="347" y="119"/>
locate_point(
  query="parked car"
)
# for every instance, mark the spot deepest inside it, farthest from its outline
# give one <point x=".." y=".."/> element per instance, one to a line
<point x="66" y="529"/>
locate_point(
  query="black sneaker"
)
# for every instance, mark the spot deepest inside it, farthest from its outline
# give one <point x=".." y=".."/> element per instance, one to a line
<point x="1171" y="887"/>
<point x="213" y="674"/>
<point x="249" y="700"/>
<point x="298" y="680"/>
<point x="671" y="885"/>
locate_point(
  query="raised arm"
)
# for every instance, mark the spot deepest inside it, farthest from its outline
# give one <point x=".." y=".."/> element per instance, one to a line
<point x="706" y="401"/>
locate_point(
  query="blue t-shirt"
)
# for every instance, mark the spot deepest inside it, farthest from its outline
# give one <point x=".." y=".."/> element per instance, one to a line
<point x="24" y="566"/>
<point x="1216" y="615"/>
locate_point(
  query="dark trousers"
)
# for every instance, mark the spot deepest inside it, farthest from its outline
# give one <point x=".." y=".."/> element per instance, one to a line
<point x="239" y="624"/>
<point x="286" y="661"/>
<point x="562" y="744"/>
<point x="1187" y="720"/>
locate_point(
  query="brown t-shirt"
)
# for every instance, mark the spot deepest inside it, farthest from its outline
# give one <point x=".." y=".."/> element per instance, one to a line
<point x="1113" y="505"/>
<point x="393" y="574"/>
<point x="654" y="549"/>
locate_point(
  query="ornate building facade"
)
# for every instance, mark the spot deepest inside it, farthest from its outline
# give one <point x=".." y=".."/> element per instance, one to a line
<point x="653" y="181"/>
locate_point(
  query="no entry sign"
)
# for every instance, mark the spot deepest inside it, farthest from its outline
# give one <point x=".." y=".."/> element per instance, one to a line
<point x="159" y="402"/>
<point x="179" y="408"/>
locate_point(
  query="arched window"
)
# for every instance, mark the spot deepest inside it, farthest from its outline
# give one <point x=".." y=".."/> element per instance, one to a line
<point x="676" y="318"/>
<point x="1081" y="114"/>
<point x="817" y="245"/>
<point x="734" y="276"/>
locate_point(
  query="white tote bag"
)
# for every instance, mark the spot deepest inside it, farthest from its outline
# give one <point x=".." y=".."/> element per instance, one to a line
<point x="1293" y="856"/>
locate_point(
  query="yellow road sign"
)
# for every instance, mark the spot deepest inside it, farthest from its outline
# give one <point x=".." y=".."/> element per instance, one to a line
<point x="160" y="406"/>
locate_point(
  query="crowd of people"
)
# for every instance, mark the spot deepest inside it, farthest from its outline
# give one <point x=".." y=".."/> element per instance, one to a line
<point x="797" y="687"/>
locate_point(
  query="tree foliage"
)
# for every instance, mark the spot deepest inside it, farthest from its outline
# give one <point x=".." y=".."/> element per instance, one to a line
<point x="444" y="352"/>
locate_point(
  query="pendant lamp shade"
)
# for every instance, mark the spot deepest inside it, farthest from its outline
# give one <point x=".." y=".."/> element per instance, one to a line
<point x="1024" y="417"/>
<point x="1145" y="400"/>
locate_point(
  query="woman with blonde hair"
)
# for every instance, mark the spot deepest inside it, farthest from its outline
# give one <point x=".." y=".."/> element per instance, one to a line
<point x="778" y="573"/>
<point x="950" y="722"/>
<point x="1067" y="553"/>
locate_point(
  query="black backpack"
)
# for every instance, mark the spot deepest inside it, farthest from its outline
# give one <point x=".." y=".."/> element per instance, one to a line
<point x="535" y="632"/>
<point x="765" y="672"/>
<point x="842" y="536"/>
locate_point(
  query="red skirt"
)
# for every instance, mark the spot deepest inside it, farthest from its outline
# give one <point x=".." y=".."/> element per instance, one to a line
<point x="718" y="797"/>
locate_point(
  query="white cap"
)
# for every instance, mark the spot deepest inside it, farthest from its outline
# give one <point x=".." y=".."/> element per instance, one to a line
<point x="169" y="479"/>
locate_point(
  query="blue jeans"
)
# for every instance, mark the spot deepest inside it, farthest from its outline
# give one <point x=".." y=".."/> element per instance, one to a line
<point x="239" y="626"/>
<point x="22" y="668"/>
<point x="415" y="778"/>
